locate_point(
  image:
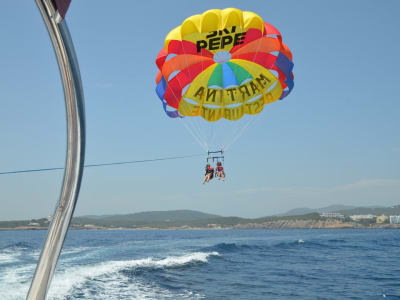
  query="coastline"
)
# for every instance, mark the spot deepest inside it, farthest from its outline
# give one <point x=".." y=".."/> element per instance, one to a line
<point x="281" y="224"/>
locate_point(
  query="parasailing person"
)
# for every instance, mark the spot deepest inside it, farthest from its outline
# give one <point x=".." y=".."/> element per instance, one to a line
<point x="219" y="171"/>
<point x="209" y="173"/>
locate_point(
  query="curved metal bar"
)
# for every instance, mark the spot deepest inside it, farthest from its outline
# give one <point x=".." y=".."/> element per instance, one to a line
<point x="74" y="102"/>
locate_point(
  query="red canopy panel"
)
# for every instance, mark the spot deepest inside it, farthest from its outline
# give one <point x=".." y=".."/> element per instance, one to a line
<point x="61" y="6"/>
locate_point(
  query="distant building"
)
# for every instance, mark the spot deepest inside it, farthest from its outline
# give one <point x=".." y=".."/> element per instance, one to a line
<point x="33" y="224"/>
<point x="362" y="217"/>
<point x="332" y="215"/>
<point x="381" y="219"/>
<point x="216" y="226"/>
<point x="394" y="219"/>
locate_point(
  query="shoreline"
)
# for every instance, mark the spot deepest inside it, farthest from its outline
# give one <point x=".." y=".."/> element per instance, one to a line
<point x="236" y="227"/>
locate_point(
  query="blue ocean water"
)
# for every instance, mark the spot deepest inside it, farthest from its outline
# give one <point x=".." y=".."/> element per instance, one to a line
<point x="209" y="264"/>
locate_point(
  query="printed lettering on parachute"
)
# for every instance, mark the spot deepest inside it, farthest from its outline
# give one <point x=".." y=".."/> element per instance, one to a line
<point x="223" y="64"/>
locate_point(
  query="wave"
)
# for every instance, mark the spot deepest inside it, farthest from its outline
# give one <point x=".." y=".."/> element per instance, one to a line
<point x="15" y="281"/>
<point x="8" y="257"/>
<point x="281" y="245"/>
<point x="19" y="245"/>
<point x="104" y="280"/>
<point x="235" y="247"/>
<point x="11" y="253"/>
<point x="69" y="251"/>
<point x="110" y="273"/>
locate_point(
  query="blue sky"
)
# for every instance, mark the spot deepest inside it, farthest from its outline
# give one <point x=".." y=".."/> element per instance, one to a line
<point x="334" y="139"/>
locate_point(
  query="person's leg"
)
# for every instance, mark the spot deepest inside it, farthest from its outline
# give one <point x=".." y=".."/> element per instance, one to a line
<point x="207" y="178"/>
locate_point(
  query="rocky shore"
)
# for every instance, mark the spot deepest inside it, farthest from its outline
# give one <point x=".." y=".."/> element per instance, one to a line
<point x="311" y="224"/>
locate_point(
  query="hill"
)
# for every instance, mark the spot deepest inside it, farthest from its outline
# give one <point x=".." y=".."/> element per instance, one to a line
<point x="304" y="210"/>
<point x="177" y="218"/>
<point x="196" y="219"/>
<point x="392" y="210"/>
<point x="346" y="210"/>
<point x="150" y="218"/>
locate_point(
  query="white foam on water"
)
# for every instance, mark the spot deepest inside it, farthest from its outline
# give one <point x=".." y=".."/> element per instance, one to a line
<point x="7" y="256"/>
<point x="12" y="254"/>
<point x="15" y="282"/>
<point x="69" y="256"/>
<point x="118" y="286"/>
<point x="99" y="281"/>
<point x="65" y="252"/>
<point x="181" y="260"/>
<point x="15" y="278"/>
<point x="106" y="277"/>
<point x="77" y="250"/>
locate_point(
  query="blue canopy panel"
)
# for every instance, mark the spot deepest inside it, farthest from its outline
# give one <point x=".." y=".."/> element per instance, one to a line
<point x="286" y="66"/>
<point x="160" y="90"/>
<point x="228" y="77"/>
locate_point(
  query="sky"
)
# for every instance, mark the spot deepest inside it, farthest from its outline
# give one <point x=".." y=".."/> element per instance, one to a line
<point x="334" y="140"/>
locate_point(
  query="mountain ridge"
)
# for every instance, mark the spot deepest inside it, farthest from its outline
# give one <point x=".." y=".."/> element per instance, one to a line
<point x="197" y="219"/>
<point x="306" y="210"/>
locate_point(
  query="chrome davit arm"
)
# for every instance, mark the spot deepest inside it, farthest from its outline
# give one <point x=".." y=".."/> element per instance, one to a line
<point x="75" y="111"/>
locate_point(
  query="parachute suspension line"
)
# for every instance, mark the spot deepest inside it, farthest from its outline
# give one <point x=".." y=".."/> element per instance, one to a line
<point x="227" y="130"/>
<point x="250" y="123"/>
<point x="213" y="135"/>
<point x="239" y="133"/>
<point x="197" y="124"/>
<point x="209" y="133"/>
<point x="192" y="133"/>
<point x="104" y="164"/>
<point x="231" y="128"/>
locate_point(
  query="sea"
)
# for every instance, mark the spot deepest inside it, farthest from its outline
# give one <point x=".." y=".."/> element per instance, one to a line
<point x="209" y="264"/>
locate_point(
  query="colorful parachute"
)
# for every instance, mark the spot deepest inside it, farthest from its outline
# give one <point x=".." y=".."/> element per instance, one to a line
<point x="223" y="64"/>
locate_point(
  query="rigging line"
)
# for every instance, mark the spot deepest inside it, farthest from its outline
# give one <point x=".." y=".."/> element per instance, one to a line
<point x="203" y="145"/>
<point x="248" y="125"/>
<point x="212" y="140"/>
<point x="200" y="126"/>
<point x="205" y="132"/>
<point x="211" y="133"/>
<point x="192" y="122"/>
<point x="103" y="164"/>
<point x="230" y="128"/>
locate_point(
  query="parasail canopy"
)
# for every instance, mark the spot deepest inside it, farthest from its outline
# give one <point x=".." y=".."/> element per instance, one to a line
<point x="222" y="64"/>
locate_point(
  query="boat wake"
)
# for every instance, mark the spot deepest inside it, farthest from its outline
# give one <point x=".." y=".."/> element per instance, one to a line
<point x="106" y="280"/>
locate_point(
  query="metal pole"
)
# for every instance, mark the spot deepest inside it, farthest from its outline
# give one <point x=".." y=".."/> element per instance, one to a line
<point x="74" y="102"/>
